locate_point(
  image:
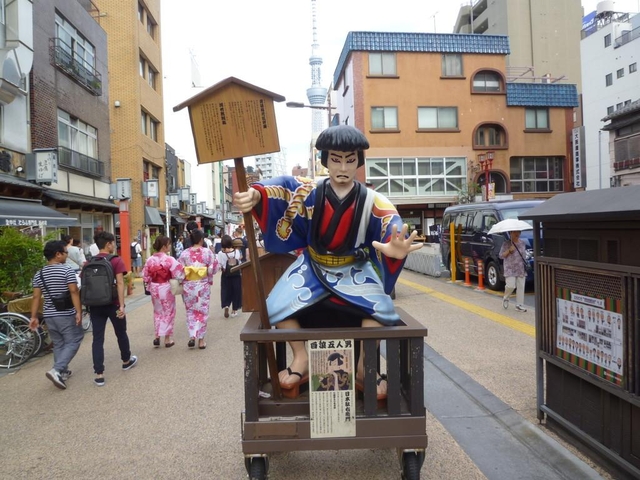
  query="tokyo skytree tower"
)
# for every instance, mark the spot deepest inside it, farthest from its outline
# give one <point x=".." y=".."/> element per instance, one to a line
<point x="316" y="94"/>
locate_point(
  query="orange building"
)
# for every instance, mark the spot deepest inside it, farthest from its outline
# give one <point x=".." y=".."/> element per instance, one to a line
<point x="434" y="105"/>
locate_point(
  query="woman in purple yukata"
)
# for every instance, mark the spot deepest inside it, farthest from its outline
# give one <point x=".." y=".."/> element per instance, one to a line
<point x="200" y="264"/>
<point x="157" y="271"/>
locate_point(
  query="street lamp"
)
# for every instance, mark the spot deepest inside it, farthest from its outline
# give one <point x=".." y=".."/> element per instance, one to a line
<point x="328" y="108"/>
<point x="486" y="162"/>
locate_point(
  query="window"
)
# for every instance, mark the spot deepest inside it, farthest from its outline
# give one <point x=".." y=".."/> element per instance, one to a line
<point x="143" y="67"/>
<point x="140" y="13"/>
<point x="489" y="82"/>
<point x="382" y="64"/>
<point x="607" y="40"/>
<point x="620" y="73"/>
<point x="536" y="118"/>
<point x="451" y="65"/>
<point x="536" y="174"/>
<point x="627" y="102"/>
<point x="151" y="26"/>
<point x="437" y="117"/>
<point x="608" y="80"/>
<point x="633" y="67"/>
<point x="77" y="135"/>
<point x="153" y="129"/>
<point x="411" y="176"/>
<point x="144" y="122"/>
<point x="618" y="106"/>
<point x="384" y="118"/>
<point x="152" y="77"/>
<point x="490" y="135"/>
<point x="610" y="110"/>
<point x="74" y="44"/>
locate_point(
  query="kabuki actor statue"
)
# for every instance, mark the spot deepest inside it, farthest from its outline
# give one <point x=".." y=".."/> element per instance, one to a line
<point x="354" y="247"/>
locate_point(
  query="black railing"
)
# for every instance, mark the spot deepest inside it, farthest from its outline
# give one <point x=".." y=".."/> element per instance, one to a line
<point x="81" y="162"/>
<point x="79" y="70"/>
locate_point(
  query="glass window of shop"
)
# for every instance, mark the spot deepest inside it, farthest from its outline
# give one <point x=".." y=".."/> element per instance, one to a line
<point x="88" y="225"/>
<point x="421" y="177"/>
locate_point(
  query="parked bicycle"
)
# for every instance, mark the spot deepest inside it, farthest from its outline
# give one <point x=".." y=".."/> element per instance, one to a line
<point x="17" y="342"/>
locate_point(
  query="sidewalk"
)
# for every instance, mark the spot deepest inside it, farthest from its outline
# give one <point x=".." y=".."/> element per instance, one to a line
<point x="177" y="413"/>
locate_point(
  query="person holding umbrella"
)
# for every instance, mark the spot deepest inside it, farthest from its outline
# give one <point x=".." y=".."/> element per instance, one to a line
<point x="512" y="253"/>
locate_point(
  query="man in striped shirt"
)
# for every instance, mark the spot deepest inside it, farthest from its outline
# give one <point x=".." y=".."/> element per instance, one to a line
<point x="65" y="325"/>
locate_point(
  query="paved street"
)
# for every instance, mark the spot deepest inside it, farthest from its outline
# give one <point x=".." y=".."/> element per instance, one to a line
<point x="177" y="413"/>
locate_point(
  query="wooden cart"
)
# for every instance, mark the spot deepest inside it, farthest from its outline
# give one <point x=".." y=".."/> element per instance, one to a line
<point x="284" y="425"/>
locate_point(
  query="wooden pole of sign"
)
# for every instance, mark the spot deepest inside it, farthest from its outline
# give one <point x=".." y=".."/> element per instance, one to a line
<point x="257" y="273"/>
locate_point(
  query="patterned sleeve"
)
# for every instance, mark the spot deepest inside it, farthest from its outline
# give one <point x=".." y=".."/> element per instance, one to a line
<point x="71" y="276"/>
<point x="145" y="270"/>
<point x="35" y="282"/>
<point x="503" y="249"/>
<point x="177" y="270"/>
<point x="284" y="212"/>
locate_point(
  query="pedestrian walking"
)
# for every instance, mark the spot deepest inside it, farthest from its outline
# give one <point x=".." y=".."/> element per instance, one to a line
<point x="157" y="271"/>
<point x="114" y="310"/>
<point x="230" y="282"/>
<point x="179" y="246"/>
<point x="199" y="267"/>
<point x="512" y="253"/>
<point x="75" y="256"/>
<point x="61" y="311"/>
<point x="136" y="257"/>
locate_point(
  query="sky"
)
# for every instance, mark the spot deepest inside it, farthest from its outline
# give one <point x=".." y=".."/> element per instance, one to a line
<point x="268" y="44"/>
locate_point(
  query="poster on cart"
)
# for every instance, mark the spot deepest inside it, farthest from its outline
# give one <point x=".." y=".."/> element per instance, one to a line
<point x="590" y="333"/>
<point x="332" y="388"/>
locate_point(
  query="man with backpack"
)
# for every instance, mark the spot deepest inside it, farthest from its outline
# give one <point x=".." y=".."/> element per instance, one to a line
<point x="136" y="258"/>
<point x="103" y="291"/>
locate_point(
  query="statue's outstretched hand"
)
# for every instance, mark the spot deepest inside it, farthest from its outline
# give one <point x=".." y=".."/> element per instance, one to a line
<point x="245" y="201"/>
<point x="398" y="246"/>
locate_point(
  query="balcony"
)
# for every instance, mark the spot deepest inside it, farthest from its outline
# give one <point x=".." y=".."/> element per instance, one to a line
<point x="80" y="162"/>
<point x="79" y="70"/>
<point x="626" y="37"/>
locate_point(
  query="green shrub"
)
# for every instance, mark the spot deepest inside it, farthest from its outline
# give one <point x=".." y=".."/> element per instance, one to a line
<point x="20" y="258"/>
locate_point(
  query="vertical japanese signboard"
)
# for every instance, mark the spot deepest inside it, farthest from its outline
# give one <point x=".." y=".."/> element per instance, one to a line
<point x="332" y="388"/>
<point x="46" y="166"/>
<point x="577" y="144"/>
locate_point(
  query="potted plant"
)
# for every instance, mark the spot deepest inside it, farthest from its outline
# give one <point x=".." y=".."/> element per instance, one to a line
<point x="20" y="258"/>
<point x="128" y="283"/>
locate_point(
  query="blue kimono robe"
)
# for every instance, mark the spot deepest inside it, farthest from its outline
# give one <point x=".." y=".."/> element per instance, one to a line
<point x="295" y="213"/>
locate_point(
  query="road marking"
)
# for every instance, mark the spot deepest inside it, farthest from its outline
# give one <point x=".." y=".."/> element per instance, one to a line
<point x="483" y="312"/>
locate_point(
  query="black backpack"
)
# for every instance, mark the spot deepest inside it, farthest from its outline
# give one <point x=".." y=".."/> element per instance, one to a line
<point x="134" y="253"/>
<point x="98" y="282"/>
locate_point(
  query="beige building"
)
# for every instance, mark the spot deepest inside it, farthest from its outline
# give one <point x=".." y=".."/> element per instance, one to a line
<point x="544" y="35"/>
<point x="135" y="93"/>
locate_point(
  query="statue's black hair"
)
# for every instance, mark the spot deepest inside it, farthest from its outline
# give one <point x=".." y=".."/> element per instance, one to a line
<point x="342" y="138"/>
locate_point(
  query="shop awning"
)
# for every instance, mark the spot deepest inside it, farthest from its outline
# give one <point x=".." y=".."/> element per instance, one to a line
<point x="81" y="200"/>
<point x="152" y="216"/>
<point x="31" y="213"/>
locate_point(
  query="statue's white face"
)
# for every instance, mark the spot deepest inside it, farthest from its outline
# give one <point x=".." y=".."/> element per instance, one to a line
<point x="342" y="168"/>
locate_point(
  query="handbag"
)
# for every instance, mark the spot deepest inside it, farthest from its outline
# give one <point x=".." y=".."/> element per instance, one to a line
<point x="60" y="302"/>
<point x="175" y="286"/>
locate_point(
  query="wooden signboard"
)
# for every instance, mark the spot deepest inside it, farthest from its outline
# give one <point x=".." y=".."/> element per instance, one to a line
<point x="232" y="119"/>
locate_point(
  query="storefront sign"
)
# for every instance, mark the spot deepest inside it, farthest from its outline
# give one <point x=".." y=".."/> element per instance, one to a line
<point x="152" y="188"/>
<point x="46" y="166"/>
<point x="174" y="201"/>
<point x="576" y="142"/>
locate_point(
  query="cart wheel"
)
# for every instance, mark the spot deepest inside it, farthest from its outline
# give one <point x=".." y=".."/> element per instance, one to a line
<point x="410" y="466"/>
<point x="258" y="469"/>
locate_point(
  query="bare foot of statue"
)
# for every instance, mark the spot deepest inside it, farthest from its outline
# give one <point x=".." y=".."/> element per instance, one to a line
<point x="381" y="384"/>
<point x="294" y="373"/>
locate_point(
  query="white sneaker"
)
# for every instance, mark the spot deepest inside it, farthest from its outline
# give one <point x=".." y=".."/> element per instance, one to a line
<point x="520" y="308"/>
<point x="234" y="314"/>
<point x="54" y="376"/>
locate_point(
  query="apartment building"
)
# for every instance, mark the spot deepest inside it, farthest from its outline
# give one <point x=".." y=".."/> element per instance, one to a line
<point x="136" y="108"/>
<point x="70" y="112"/>
<point x="272" y="165"/>
<point x="544" y="36"/>
<point x="610" y="51"/>
<point x="434" y="105"/>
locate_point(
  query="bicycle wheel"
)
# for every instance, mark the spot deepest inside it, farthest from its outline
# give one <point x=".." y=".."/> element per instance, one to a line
<point x="17" y="342"/>
<point x="86" y="320"/>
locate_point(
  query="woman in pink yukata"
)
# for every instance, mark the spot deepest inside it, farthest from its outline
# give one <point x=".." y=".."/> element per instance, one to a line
<point x="157" y="271"/>
<point x="200" y="264"/>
